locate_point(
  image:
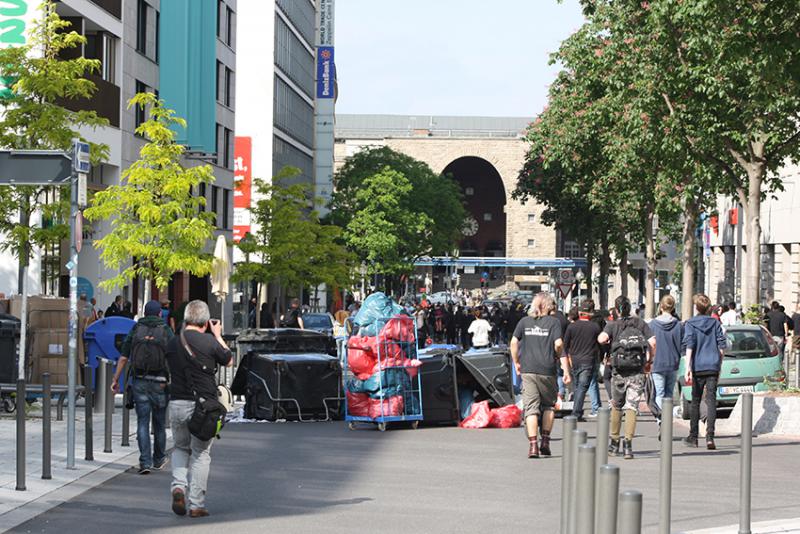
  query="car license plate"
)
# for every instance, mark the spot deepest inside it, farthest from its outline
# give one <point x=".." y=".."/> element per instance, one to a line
<point x="735" y="390"/>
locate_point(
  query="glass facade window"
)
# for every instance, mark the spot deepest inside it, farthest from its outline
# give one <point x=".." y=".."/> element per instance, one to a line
<point x="141" y="26"/>
<point x="284" y="154"/>
<point x="303" y="16"/>
<point x="226" y="206"/>
<point x="220" y="76"/>
<point x="229" y="87"/>
<point x="220" y="17"/>
<point x="573" y="249"/>
<point x="293" y="58"/>
<point x="293" y="115"/>
<point x="201" y="193"/>
<point x="230" y="23"/>
<point x="140" y="114"/>
<point x="215" y="204"/>
<point x="228" y="161"/>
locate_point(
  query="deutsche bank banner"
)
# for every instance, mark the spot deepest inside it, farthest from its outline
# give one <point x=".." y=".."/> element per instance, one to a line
<point x="325" y="72"/>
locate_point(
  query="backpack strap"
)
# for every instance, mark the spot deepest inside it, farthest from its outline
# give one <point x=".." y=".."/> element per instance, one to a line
<point x="193" y="360"/>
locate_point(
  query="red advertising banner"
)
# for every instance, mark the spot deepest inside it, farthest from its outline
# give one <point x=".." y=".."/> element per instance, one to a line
<point x="243" y="179"/>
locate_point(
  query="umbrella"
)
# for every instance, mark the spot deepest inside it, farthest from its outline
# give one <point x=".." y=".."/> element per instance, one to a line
<point x="220" y="269"/>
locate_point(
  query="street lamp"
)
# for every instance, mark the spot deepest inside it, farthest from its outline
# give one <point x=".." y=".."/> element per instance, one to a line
<point x="579" y="276"/>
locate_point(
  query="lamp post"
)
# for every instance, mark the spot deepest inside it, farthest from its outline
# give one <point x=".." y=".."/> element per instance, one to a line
<point x="579" y="276"/>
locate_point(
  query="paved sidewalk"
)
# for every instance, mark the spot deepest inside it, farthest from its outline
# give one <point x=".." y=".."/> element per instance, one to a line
<point x="767" y="527"/>
<point x="19" y="506"/>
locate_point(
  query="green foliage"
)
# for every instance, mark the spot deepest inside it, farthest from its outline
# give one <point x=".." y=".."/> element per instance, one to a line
<point x="33" y="116"/>
<point x="158" y="226"/>
<point x="388" y="223"/>
<point x="289" y="243"/>
<point x="753" y="315"/>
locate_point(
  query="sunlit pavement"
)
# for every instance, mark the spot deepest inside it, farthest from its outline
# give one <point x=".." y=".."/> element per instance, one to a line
<point x="322" y="477"/>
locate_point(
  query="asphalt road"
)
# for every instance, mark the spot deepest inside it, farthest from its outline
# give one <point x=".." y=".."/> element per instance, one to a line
<point x="323" y="478"/>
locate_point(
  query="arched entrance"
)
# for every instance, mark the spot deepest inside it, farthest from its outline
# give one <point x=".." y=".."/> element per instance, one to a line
<point x="485" y="200"/>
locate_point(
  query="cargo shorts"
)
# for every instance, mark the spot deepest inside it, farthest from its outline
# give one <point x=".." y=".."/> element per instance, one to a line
<point x="539" y="393"/>
<point x="627" y="391"/>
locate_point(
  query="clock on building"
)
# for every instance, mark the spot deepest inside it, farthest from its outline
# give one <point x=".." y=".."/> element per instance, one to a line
<point x="470" y="227"/>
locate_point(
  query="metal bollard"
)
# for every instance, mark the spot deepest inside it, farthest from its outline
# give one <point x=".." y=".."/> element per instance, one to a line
<point x="109" y="406"/>
<point x="608" y="478"/>
<point x="630" y="512"/>
<point x="584" y="494"/>
<point x="47" y="473"/>
<point x="126" y="414"/>
<point x="87" y="412"/>
<point x="665" y="474"/>
<point x="568" y="424"/>
<point x="578" y="439"/>
<point x="100" y="392"/>
<point x="601" y="454"/>
<point x="21" y="406"/>
<point x="746" y="468"/>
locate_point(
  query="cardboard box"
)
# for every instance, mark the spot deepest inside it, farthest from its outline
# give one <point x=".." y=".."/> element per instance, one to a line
<point x="56" y="366"/>
<point x="43" y="311"/>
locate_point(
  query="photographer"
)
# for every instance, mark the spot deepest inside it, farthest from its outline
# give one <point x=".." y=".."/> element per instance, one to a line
<point x="193" y="375"/>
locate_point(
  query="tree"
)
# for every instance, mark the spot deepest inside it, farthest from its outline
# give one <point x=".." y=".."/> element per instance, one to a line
<point x="33" y="116"/>
<point x="384" y="233"/>
<point x="158" y="226"/>
<point x="431" y="196"/>
<point x="289" y="244"/>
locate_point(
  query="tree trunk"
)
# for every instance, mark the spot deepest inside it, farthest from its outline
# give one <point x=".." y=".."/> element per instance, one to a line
<point x="623" y="274"/>
<point x="588" y="273"/>
<point x="25" y="248"/>
<point x="605" y="266"/>
<point x="752" y="292"/>
<point x="690" y="212"/>
<point x="146" y="297"/>
<point x="650" y="255"/>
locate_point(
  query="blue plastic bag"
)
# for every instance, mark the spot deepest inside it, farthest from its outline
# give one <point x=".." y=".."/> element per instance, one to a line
<point x="376" y="306"/>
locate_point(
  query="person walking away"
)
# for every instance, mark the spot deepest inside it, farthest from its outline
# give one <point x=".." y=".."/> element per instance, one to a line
<point x="127" y="310"/>
<point x="777" y="325"/>
<point x="535" y="347"/>
<point x="450" y="324"/>
<point x="705" y="345"/>
<point x="145" y="347"/>
<point x="419" y="321"/>
<point x="582" y="350"/>
<point x="293" y="318"/>
<point x="193" y="377"/>
<point x="731" y="316"/>
<point x="669" y="339"/>
<point x="265" y="319"/>
<point x="632" y="344"/>
<point x="480" y="330"/>
<point x="115" y="308"/>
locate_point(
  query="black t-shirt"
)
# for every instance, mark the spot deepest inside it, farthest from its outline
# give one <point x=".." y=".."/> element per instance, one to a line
<point x="187" y="376"/>
<point x="775" y="320"/>
<point x="614" y="328"/>
<point x="796" y="324"/>
<point x="537" y="337"/>
<point x="291" y="320"/>
<point x="580" y="342"/>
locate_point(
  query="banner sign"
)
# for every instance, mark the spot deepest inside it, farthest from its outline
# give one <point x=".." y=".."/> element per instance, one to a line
<point x="326" y="11"/>
<point x="243" y="183"/>
<point x="325" y="72"/>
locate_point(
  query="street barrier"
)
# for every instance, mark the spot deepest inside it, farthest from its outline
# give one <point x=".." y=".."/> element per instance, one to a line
<point x="87" y="412"/>
<point x="578" y="439"/>
<point x="109" y="403"/>
<point x="746" y="468"/>
<point x="608" y="478"/>
<point x="630" y="512"/>
<point x="584" y="494"/>
<point x="665" y="473"/>
<point x="568" y="424"/>
<point x="46" y="397"/>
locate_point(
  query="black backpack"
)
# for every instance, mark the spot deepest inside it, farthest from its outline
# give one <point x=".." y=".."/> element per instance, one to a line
<point x="291" y="319"/>
<point x="629" y="349"/>
<point x="148" y="349"/>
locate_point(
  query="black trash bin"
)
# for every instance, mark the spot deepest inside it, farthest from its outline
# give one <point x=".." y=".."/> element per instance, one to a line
<point x="438" y="378"/>
<point x="9" y="348"/>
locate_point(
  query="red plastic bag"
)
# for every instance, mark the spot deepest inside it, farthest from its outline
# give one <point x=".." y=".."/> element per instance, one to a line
<point x="398" y="328"/>
<point x="358" y="404"/>
<point x="506" y="417"/>
<point x="479" y="416"/>
<point x="361" y="356"/>
<point x="391" y="351"/>
<point x="391" y="406"/>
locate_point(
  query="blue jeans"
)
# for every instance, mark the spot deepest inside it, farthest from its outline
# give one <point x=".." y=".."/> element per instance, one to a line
<point x="150" y="399"/>
<point x="665" y="385"/>
<point x="562" y="388"/>
<point x="594" y="392"/>
<point x="581" y="378"/>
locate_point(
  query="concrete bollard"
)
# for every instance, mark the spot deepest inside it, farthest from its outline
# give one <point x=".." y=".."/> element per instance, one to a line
<point x="21" y="407"/>
<point x="568" y="424"/>
<point x="584" y="493"/>
<point x="630" y="512"/>
<point x="746" y="467"/>
<point x="578" y="439"/>
<point x="87" y="412"/>
<point x="665" y="473"/>
<point x="608" y="478"/>
<point x="109" y="406"/>
<point x="47" y="472"/>
<point x="601" y="452"/>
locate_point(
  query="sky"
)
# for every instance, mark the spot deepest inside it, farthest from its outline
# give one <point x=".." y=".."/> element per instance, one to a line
<point x="449" y="57"/>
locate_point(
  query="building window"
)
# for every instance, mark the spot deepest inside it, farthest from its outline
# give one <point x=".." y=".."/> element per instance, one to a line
<point x="469" y="191"/>
<point x="531" y="243"/>
<point x="226" y="200"/>
<point x="220" y="86"/>
<point x="229" y="26"/>
<point x="220" y="12"/>
<point x="487" y="216"/>
<point x="228" y="161"/>
<point x="228" y="87"/>
<point x="201" y="193"/>
<point x="573" y="249"/>
<point x="158" y="33"/>
<point x="140" y="114"/>
<point x="217" y="143"/>
<point x="215" y="204"/>
<point x="141" y="27"/>
<point x="531" y="218"/>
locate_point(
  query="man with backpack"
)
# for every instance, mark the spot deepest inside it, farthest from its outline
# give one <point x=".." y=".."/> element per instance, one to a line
<point x="145" y="348"/>
<point x="632" y="343"/>
<point x="293" y="317"/>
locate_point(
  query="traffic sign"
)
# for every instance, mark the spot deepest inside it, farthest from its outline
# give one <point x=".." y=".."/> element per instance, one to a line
<point x="80" y="157"/>
<point x="564" y="289"/>
<point x="565" y="276"/>
<point x="83" y="196"/>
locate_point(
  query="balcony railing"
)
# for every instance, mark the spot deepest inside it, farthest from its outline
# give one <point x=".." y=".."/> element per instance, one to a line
<point x="105" y="101"/>
<point x="114" y="7"/>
